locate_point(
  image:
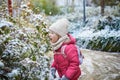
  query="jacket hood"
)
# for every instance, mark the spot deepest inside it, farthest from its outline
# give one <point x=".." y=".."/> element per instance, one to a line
<point x="72" y="40"/>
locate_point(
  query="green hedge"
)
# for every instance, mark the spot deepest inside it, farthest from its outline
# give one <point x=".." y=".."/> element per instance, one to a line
<point x="47" y="6"/>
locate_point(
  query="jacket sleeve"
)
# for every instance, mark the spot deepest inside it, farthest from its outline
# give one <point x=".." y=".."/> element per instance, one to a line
<point x="53" y="64"/>
<point x="73" y="62"/>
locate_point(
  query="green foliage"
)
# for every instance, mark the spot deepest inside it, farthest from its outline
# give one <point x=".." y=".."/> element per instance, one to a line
<point x="110" y="44"/>
<point x="34" y="58"/>
<point x="47" y="6"/>
<point x="5" y="30"/>
<point x="2" y="48"/>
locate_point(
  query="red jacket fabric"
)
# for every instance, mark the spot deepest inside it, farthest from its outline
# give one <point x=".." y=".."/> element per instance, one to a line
<point x="69" y="65"/>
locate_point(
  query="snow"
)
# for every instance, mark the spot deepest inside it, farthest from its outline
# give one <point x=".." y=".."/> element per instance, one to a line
<point x="14" y="73"/>
<point x="103" y="33"/>
<point x="1" y="64"/>
<point x="5" y="23"/>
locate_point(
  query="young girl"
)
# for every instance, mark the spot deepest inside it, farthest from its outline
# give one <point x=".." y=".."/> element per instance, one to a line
<point x="66" y="65"/>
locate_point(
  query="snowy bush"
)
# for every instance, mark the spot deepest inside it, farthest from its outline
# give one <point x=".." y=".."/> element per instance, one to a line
<point x="104" y="36"/>
<point x="109" y="22"/>
<point x="5" y="27"/>
<point x="23" y="51"/>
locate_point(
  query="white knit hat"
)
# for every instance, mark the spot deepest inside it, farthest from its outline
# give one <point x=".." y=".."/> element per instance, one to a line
<point x="60" y="27"/>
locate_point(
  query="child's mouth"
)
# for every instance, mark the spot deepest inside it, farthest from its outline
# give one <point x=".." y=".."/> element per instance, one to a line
<point x="50" y="39"/>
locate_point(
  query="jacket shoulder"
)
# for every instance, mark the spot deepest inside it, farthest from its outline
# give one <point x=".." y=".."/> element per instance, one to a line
<point x="69" y="48"/>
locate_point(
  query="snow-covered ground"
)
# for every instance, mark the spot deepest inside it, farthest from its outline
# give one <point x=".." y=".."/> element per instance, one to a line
<point x="99" y="65"/>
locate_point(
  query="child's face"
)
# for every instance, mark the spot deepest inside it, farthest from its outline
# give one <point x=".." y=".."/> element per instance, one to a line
<point x="53" y="37"/>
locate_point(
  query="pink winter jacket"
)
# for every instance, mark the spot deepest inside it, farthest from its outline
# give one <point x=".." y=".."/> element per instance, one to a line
<point x="69" y="65"/>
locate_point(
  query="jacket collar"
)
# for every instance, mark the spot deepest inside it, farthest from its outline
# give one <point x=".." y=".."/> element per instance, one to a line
<point x="71" y="41"/>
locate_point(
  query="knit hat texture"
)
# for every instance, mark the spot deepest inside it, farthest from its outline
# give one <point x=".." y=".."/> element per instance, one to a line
<point x="60" y="27"/>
